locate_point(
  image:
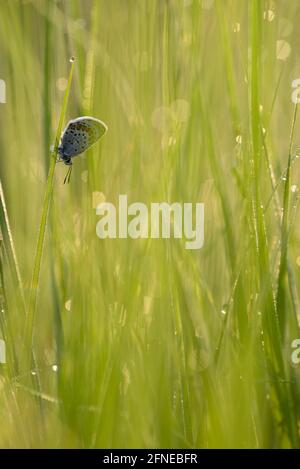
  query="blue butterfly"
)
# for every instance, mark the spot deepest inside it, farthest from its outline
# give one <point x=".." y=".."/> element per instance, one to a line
<point x="79" y="135"/>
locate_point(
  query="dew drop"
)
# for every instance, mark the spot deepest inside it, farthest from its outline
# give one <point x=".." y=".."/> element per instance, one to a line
<point x="269" y="15"/>
<point x="294" y="188"/>
<point x="236" y="27"/>
<point x="283" y="49"/>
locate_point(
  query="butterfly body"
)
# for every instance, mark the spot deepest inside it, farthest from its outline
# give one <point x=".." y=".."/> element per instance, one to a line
<point x="79" y="135"/>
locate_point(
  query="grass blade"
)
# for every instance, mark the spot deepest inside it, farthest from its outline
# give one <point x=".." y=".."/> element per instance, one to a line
<point x="42" y="229"/>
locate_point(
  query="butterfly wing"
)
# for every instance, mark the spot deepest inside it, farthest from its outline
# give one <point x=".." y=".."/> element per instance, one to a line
<point x="80" y="134"/>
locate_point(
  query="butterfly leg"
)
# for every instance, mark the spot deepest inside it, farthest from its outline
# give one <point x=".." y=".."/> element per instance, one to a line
<point x="68" y="175"/>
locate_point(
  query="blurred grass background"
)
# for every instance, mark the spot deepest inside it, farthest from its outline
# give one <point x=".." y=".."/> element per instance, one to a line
<point x="142" y="343"/>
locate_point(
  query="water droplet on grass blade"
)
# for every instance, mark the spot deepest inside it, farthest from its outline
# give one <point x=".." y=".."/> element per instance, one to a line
<point x="283" y="49"/>
<point x="269" y="15"/>
<point x="236" y="27"/>
<point x="294" y="188"/>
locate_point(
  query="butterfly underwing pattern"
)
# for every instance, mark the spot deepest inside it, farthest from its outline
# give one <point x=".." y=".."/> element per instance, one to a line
<point x="79" y="135"/>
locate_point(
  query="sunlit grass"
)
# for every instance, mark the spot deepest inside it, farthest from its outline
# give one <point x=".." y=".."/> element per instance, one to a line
<point x="142" y="343"/>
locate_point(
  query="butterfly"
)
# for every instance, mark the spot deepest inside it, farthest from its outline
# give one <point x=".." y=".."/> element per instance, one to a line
<point x="79" y="135"/>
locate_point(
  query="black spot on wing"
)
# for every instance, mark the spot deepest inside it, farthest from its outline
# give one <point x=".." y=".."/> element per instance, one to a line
<point x="81" y="134"/>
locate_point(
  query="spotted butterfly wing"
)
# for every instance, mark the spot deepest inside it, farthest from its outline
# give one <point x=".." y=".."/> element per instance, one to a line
<point x="79" y="135"/>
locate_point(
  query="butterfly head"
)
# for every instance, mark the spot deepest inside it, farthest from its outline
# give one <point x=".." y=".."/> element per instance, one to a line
<point x="63" y="156"/>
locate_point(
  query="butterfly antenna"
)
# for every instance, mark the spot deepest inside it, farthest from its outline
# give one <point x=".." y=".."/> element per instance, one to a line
<point x="68" y="175"/>
<point x="70" y="172"/>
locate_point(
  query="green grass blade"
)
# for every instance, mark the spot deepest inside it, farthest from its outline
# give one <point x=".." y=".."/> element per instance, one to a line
<point x="45" y="211"/>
